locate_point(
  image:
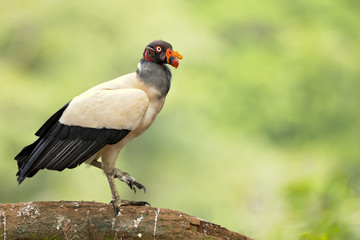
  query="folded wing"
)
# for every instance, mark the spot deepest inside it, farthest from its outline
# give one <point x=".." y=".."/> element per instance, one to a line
<point x="81" y="128"/>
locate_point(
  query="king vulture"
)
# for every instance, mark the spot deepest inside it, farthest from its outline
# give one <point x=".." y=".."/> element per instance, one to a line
<point x="99" y="122"/>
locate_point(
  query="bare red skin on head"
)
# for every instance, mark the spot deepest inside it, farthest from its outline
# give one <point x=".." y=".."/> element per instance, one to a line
<point x="175" y="63"/>
<point x="146" y="57"/>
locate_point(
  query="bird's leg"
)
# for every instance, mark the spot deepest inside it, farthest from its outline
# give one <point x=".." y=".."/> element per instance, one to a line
<point x="122" y="176"/>
<point x="116" y="201"/>
<point x="96" y="163"/>
<point x="114" y="192"/>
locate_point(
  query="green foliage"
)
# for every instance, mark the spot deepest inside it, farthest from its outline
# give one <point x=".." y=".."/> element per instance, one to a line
<point x="260" y="132"/>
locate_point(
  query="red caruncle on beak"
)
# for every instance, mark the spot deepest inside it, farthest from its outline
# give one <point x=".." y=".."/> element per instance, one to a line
<point x="172" y="57"/>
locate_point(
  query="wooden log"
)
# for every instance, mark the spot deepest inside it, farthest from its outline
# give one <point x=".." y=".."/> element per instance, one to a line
<point x="93" y="220"/>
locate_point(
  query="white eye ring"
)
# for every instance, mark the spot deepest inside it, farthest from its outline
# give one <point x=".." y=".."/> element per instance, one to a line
<point x="158" y="49"/>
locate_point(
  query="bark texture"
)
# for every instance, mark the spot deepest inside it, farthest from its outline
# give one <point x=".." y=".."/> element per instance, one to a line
<point x="93" y="220"/>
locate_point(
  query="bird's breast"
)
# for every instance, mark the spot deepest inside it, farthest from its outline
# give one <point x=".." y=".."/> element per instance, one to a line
<point x="155" y="105"/>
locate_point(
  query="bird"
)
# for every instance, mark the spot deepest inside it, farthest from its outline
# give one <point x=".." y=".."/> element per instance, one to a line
<point x="99" y="122"/>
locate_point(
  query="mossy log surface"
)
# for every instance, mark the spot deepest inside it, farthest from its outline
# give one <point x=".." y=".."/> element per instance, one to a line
<point x="94" y="220"/>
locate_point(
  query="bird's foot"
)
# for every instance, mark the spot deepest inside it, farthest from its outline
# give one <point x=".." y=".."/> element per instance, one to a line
<point x="128" y="179"/>
<point x="117" y="203"/>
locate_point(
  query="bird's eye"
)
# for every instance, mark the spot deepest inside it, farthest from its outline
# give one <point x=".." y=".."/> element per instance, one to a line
<point x="158" y="49"/>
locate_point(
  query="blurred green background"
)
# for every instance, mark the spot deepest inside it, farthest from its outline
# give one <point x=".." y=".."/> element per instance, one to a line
<point x="260" y="132"/>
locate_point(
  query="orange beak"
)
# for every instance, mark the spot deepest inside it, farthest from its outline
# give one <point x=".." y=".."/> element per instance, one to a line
<point x="172" y="57"/>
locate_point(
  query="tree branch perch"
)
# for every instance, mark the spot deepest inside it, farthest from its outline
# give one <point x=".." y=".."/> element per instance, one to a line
<point x="93" y="220"/>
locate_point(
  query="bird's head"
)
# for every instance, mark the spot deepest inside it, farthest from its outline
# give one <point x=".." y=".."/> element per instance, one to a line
<point x="161" y="52"/>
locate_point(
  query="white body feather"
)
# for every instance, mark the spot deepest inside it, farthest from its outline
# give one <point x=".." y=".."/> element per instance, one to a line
<point x="123" y="103"/>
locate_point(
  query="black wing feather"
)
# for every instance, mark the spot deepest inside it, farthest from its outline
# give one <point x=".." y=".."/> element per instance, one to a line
<point x="60" y="146"/>
<point x="51" y="121"/>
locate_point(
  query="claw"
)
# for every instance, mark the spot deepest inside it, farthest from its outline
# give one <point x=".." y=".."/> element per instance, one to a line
<point x="131" y="185"/>
<point x="134" y="203"/>
<point x="118" y="203"/>
<point x="129" y="180"/>
<point x="139" y="186"/>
